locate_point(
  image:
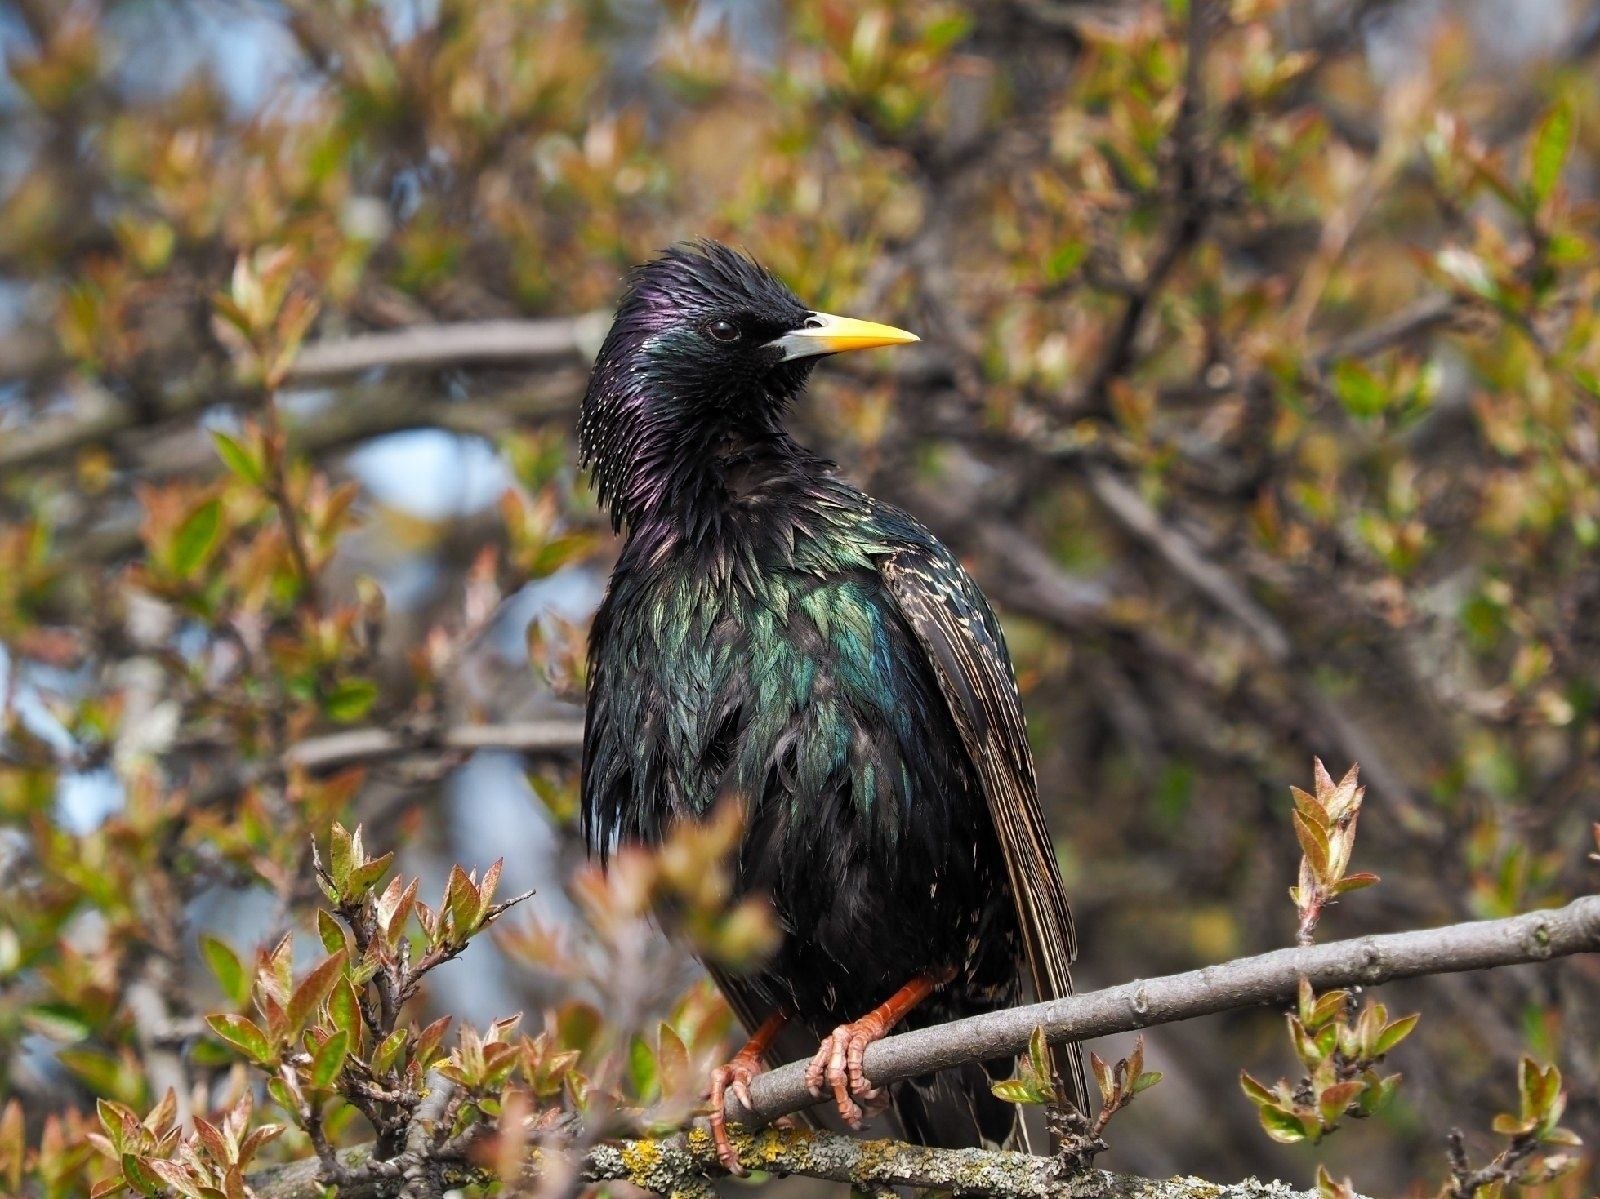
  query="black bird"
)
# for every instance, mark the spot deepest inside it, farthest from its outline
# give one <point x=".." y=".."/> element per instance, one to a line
<point x="773" y="634"/>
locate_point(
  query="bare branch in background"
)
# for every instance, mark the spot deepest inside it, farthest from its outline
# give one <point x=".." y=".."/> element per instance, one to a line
<point x="483" y="343"/>
<point x="364" y="746"/>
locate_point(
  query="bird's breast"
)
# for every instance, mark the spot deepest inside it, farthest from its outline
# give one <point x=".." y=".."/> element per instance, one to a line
<point x="787" y="682"/>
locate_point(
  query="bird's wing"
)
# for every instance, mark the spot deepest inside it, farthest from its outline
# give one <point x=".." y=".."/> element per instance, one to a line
<point x="967" y="651"/>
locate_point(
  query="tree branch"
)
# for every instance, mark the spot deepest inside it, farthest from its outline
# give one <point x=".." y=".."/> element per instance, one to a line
<point x="1191" y="564"/>
<point x="555" y="735"/>
<point x="1245" y="982"/>
<point x="99" y="416"/>
<point x="420" y="347"/>
<point x="679" y="1166"/>
<point x="363" y="746"/>
<point x="1128" y="508"/>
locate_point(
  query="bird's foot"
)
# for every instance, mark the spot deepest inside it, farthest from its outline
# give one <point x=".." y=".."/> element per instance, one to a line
<point x="735" y="1076"/>
<point x="837" y="1067"/>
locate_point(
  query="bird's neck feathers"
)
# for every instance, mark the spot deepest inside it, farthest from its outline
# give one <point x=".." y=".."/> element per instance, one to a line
<point x="674" y="460"/>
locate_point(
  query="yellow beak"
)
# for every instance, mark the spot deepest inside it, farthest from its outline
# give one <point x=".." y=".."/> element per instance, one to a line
<point x="825" y="333"/>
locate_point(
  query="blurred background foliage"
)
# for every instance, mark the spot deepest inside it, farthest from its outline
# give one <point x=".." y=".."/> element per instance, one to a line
<point x="1258" y="386"/>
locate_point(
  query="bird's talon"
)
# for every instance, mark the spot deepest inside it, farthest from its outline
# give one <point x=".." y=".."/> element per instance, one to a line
<point x="838" y="1065"/>
<point x="735" y="1077"/>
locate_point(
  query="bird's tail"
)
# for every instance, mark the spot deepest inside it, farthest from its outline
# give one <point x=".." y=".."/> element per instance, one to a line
<point x="956" y="1109"/>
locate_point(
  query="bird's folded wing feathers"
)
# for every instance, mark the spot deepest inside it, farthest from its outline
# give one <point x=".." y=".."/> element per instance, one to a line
<point x="967" y="650"/>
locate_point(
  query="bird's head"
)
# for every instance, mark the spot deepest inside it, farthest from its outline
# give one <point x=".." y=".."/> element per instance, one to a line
<point x="707" y="348"/>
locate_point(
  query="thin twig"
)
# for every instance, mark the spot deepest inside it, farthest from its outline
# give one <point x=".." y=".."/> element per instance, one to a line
<point x="277" y="489"/>
<point x="1190" y="197"/>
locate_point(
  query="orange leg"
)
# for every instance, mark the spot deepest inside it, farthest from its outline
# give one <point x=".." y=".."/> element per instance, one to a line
<point x="735" y="1077"/>
<point x="838" y="1060"/>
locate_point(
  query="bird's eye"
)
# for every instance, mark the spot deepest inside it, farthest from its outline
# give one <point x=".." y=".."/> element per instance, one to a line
<point x="723" y="331"/>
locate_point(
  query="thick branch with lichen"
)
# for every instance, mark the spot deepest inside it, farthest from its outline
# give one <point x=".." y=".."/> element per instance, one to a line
<point x="679" y="1166"/>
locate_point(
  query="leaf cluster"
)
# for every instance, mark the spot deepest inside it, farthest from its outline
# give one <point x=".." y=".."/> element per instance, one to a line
<point x="1340" y="1041"/>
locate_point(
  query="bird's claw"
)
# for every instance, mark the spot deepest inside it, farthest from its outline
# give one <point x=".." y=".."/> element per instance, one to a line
<point x="837" y="1065"/>
<point x="735" y="1076"/>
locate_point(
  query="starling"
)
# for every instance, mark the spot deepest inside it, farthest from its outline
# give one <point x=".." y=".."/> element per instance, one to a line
<point x="774" y="636"/>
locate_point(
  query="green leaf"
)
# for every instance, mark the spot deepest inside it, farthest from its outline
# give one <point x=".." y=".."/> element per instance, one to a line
<point x="1353" y="882"/>
<point x="196" y="539"/>
<point x="1018" y="1090"/>
<point x="1508" y="1125"/>
<point x="341" y="856"/>
<point x="944" y="32"/>
<point x="244" y="1035"/>
<point x="1393" y="1033"/>
<point x="238" y="459"/>
<point x="388" y="1053"/>
<point x="329" y="931"/>
<point x="1039" y="1055"/>
<point x="139" y="1177"/>
<point x="364" y="878"/>
<point x="1361" y="392"/>
<point x="1255" y="1091"/>
<point x="104" y="1074"/>
<point x="642" y="1069"/>
<point x="343" y="1007"/>
<point x="1283" y="1126"/>
<point x="1064" y="259"/>
<point x="281" y="1095"/>
<point x="1306" y="1046"/>
<point x="58" y="1021"/>
<point x="1541" y="1089"/>
<point x="118" y="1120"/>
<point x="1327" y="1008"/>
<point x="1314" y="844"/>
<point x="210" y="1055"/>
<point x="228" y="969"/>
<point x="1145" y="1081"/>
<point x="1547" y="154"/>
<point x="578" y="1025"/>
<point x="1379" y="1091"/>
<point x="1333" y="1100"/>
<point x="313" y="990"/>
<point x="329" y="1059"/>
<point x="349" y="700"/>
